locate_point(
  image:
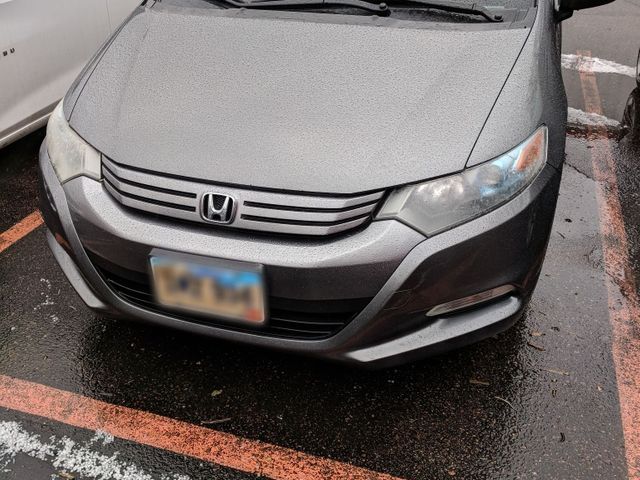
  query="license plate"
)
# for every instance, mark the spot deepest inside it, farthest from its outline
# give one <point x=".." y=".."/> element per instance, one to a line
<point x="206" y="288"/>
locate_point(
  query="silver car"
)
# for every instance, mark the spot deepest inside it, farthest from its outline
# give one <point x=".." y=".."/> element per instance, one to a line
<point x="365" y="182"/>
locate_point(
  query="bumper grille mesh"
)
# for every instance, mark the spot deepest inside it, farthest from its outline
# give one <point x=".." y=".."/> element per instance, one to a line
<point x="288" y="318"/>
<point x="256" y="210"/>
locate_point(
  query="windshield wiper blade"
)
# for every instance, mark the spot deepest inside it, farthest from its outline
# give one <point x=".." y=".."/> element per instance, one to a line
<point x="454" y="7"/>
<point x="377" y="8"/>
<point x="381" y="9"/>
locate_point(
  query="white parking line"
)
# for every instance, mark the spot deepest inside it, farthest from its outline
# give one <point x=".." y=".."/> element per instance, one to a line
<point x="595" y="65"/>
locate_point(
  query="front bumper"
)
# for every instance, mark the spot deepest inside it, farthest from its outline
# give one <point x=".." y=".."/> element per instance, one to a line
<point x="400" y="273"/>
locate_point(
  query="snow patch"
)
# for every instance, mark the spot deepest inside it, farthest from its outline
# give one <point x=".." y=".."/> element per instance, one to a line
<point x="47" y="298"/>
<point x="581" y="63"/>
<point x="580" y="118"/>
<point x="101" y="436"/>
<point x="65" y="454"/>
<point x="14" y="440"/>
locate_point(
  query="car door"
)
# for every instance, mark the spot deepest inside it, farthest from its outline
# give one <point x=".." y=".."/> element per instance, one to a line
<point x="48" y="44"/>
<point x="11" y="86"/>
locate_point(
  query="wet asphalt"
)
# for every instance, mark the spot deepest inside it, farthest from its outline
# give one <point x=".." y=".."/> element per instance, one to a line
<point x="539" y="401"/>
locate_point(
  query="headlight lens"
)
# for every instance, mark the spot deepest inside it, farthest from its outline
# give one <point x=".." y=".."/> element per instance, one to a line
<point x="70" y="155"/>
<point x="438" y="205"/>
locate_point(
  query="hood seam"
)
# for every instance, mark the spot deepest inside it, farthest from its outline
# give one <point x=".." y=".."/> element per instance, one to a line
<point x="94" y="62"/>
<point x="484" y="124"/>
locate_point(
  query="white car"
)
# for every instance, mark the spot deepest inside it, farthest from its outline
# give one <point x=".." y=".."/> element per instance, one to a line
<point x="43" y="46"/>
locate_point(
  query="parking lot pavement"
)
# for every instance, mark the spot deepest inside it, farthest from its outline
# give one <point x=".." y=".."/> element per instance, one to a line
<point x="554" y="397"/>
<point x="18" y="179"/>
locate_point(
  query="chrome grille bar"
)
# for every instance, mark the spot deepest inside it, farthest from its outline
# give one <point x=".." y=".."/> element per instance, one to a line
<point x="264" y="211"/>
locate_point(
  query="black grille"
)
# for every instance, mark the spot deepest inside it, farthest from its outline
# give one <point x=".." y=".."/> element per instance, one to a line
<point x="288" y="318"/>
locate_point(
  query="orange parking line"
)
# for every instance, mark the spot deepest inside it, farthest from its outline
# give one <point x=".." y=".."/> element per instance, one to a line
<point x="624" y="311"/>
<point x="20" y="229"/>
<point x="251" y="456"/>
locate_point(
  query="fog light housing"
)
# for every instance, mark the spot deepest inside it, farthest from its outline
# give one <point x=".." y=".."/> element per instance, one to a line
<point x="470" y="301"/>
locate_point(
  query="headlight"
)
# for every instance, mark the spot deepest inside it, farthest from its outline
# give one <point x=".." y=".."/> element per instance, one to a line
<point x="70" y="155"/>
<point x="440" y="204"/>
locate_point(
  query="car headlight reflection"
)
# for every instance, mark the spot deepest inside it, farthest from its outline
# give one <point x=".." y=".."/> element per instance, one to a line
<point x="70" y="155"/>
<point x="443" y="203"/>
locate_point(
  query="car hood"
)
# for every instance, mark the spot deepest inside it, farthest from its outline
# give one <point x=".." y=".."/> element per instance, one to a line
<point x="264" y="99"/>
